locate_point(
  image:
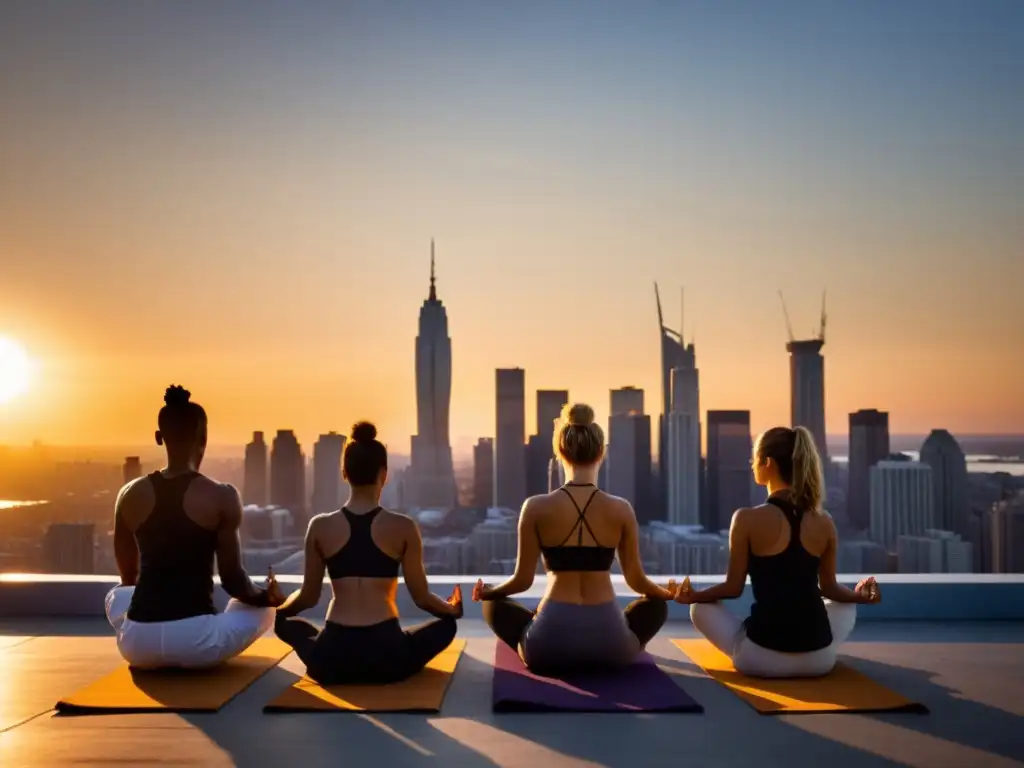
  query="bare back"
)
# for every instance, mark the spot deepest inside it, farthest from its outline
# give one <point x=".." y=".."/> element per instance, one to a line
<point x="768" y="531"/>
<point x="596" y="519"/>
<point x="360" y="600"/>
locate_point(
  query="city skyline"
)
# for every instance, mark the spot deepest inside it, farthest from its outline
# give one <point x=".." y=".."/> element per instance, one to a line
<point x="563" y="161"/>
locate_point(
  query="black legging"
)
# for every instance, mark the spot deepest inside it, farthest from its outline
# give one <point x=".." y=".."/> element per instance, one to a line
<point x="509" y="619"/>
<point x="379" y="653"/>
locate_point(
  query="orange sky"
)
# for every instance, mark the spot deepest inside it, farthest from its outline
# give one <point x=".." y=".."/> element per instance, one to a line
<point x="247" y="212"/>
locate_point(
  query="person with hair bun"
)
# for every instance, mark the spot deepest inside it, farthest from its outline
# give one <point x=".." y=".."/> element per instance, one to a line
<point x="578" y="530"/>
<point x="361" y="547"/>
<point x="788" y="545"/>
<point x="168" y="528"/>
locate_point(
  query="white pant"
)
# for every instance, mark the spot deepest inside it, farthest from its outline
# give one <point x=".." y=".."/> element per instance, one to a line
<point x="193" y="643"/>
<point x="726" y="632"/>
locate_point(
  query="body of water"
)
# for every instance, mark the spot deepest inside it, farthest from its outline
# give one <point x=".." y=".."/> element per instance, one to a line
<point x="975" y="463"/>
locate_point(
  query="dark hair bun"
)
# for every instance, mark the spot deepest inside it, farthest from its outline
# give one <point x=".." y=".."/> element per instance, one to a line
<point x="364" y="432"/>
<point x="176" y="395"/>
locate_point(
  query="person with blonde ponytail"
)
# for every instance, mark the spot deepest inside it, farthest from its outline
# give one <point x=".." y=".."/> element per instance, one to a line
<point x="801" y="614"/>
<point x="578" y="530"/>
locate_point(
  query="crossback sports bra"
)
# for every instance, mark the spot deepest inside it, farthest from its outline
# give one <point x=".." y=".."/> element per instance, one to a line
<point x="361" y="556"/>
<point x="579" y="557"/>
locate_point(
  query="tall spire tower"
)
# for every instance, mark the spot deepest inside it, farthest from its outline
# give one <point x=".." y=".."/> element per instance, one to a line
<point x="432" y="476"/>
<point x="433" y="285"/>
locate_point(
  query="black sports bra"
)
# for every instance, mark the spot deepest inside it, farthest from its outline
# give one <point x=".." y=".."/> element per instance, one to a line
<point x="579" y="557"/>
<point x="361" y="556"/>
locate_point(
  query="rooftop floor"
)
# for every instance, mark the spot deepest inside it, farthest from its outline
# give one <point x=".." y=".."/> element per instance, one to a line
<point x="970" y="675"/>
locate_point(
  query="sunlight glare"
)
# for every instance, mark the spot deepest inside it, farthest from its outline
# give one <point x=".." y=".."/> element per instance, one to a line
<point x="15" y="370"/>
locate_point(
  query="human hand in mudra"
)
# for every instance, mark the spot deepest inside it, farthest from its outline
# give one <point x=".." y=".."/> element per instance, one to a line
<point x="455" y="601"/>
<point x="868" y="591"/>
<point x="274" y="594"/>
<point x="685" y="594"/>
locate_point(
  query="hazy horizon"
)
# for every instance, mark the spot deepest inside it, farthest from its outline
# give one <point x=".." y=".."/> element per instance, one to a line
<point x="240" y="199"/>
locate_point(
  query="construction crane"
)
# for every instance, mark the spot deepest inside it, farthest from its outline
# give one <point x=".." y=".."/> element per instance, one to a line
<point x="818" y="335"/>
<point x="785" y="314"/>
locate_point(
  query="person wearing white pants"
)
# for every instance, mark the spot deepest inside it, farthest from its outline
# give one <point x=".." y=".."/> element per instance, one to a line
<point x="801" y="614"/>
<point x="193" y="643"/>
<point x="169" y="528"/>
<point x="726" y="632"/>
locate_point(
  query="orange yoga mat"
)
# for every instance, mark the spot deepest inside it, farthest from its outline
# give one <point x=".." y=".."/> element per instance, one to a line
<point x="207" y="690"/>
<point x="423" y="692"/>
<point x="844" y="689"/>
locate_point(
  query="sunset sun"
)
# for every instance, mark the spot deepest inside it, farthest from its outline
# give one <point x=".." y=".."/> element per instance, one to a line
<point x="15" y="370"/>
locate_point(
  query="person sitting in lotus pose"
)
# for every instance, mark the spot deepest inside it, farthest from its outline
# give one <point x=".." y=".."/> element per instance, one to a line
<point x="577" y="529"/>
<point x="788" y="545"/>
<point x="168" y="528"/>
<point x="361" y="547"/>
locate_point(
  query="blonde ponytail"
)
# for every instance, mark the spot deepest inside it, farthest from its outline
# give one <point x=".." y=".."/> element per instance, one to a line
<point x="808" y="486"/>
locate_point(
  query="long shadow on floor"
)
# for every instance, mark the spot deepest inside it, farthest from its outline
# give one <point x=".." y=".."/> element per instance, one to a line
<point x="970" y="723"/>
<point x="619" y="739"/>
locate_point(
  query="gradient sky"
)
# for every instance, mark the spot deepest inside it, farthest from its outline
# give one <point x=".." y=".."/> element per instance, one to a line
<point x="239" y="197"/>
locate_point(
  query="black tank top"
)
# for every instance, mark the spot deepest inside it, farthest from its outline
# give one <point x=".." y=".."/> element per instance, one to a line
<point x="788" y="614"/>
<point x="578" y="557"/>
<point x="361" y="556"/>
<point x="176" y="558"/>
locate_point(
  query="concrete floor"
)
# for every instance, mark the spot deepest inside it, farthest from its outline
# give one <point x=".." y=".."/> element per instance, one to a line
<point x="971" y="676"/>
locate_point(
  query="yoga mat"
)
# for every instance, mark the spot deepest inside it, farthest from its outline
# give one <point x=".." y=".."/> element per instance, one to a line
<point x="844" y="689"/>
<point x="176" y="690"/>
<point x="640" y="687"/>
<point x="423" y="692"/>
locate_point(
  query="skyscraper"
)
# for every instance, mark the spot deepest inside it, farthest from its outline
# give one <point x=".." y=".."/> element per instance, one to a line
<point x="549" y="407"/>
<point x="431" y="481"/>
<point x="539" y="450"/>
<point x="626" y="400"/>
<point x="510" y="437"/>
<point x="254" y="488"/>
<point x="629" y="460"/>
<point x="730" y="447"/>
<point x="132" y="469"/>
<point x="483" y="473"/>
<point x="901" y="500"/>
<point x="675" y="353"/>
<point x="288" y="476"/>
<point x="807" y="384"/>
<point x="869" y="444"/>
<point x="684" y="448"/>
<point x="943" y="454"/>
<point x="327" y="472"/>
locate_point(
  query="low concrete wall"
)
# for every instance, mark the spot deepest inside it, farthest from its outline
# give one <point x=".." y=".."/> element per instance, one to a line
<point x="932" y="597"/>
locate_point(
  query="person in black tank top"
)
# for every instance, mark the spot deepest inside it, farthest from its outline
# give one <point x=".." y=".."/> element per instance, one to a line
<point x="791" y="631"/>
<point x="374" y="651"/>
<point x="169" y="528"/>
<point x="569" y="633"/>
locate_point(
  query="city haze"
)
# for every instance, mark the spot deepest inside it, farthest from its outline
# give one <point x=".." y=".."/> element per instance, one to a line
<point x="240" y="199"/>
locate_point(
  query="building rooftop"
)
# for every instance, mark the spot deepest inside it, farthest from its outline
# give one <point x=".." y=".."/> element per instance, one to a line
<point x="969" y="674"/>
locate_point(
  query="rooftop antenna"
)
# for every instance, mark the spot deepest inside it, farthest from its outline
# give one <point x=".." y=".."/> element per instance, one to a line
<point x="821" y="331"/>
<point x="682" y="311"/>
<point x="657" y="299"/>
<point x="785" y="314"/>
<point x="433" y="289"/>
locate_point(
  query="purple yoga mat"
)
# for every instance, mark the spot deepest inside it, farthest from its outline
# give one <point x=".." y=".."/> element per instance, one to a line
<point x="640" y="687"/>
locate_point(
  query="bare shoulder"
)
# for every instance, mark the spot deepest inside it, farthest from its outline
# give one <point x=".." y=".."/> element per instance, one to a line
<point x="398" y="521"/>
<point x="621" y="508"/>
<point x="135" y="491"/>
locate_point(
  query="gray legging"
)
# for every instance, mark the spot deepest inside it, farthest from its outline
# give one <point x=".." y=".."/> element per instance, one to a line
<point x="563" y="637"/>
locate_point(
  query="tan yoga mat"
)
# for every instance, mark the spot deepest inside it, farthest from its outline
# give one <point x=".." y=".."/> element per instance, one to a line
<point x="176" y="690"/>
<point x="844" y="689"/>
<point x="423" y="692"/>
